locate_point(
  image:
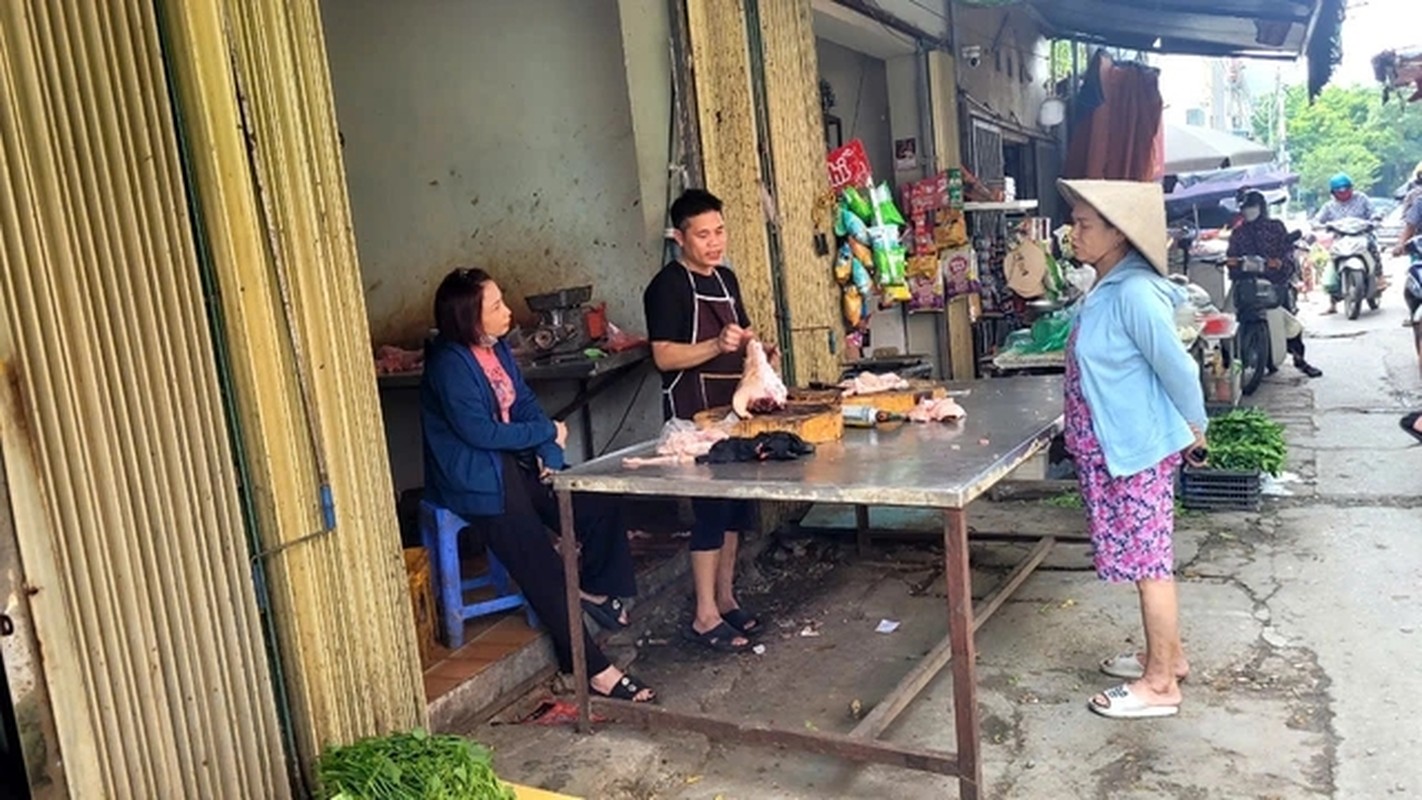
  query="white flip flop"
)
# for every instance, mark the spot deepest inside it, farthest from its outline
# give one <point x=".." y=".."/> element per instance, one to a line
<point x="1128" y="667"/>
<point x="1122" y="703"/>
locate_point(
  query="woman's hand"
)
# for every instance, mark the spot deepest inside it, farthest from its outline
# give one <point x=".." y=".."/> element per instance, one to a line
<point x="560" y="437"/>
<point x="544" y="473"/>
<point x="1197" y="454"/>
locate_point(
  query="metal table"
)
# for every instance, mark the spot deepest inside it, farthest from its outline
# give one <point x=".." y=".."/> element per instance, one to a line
<point x="927" y="466"/>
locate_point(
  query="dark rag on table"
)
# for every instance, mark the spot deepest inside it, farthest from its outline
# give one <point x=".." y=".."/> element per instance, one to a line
<point x="777" y="446"/>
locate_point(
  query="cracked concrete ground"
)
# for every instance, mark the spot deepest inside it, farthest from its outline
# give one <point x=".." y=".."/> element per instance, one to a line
<point x="1303" y="624"/>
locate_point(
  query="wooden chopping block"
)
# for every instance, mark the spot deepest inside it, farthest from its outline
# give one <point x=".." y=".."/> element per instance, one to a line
<point x="901" y="401"/>
<point x="815" y="424"/>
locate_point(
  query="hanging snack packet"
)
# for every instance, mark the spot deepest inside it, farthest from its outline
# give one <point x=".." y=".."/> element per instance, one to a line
<point x="859" y="275"/>
<point x="885" y="212"/>
<point x="861" y="251"/>
<point x="843" y="265"/>
<point x="854" y="200"/>
<point x="852" y="226"/>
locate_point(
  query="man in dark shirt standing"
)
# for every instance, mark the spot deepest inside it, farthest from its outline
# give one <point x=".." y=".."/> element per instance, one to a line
<point x="699" y="328"/>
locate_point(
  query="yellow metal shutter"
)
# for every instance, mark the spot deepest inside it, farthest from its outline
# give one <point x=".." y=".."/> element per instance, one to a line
<point x="121" y="477"/>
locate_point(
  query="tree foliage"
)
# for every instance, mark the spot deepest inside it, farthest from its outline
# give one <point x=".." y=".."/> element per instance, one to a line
<point x="1345" y="130"/>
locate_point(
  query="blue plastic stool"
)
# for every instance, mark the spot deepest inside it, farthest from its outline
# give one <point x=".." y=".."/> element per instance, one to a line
<point x="439" y="529"/>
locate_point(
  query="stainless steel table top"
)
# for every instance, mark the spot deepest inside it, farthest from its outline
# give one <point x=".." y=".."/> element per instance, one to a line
<point x="943" y="465"/>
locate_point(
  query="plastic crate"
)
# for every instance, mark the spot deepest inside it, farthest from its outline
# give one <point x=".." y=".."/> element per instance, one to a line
<point x="1207" y="489"/>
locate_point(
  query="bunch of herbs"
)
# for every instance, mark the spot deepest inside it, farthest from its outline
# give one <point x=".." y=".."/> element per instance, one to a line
<point x="410" y="766"/>
<point x="1247" y="440"/>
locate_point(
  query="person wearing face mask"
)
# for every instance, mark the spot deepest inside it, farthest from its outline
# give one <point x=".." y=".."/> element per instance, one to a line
<point x="1261" y="236"/>
<point x="1348" y="203"/>
<point x="489" y="448"/>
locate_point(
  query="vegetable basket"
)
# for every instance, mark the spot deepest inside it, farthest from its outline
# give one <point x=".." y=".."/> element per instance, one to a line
<point x="1205" y="489"/>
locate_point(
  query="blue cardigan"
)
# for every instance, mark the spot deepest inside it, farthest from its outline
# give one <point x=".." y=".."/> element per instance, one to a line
<point x="1142" y="386"/>
<point x="464" y="437"/>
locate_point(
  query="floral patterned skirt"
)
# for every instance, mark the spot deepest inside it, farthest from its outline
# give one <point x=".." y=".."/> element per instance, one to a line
<point x="1131" y="519"/>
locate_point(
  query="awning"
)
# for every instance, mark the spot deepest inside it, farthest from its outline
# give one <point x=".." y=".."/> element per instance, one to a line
<point x="1247" y="28"/>
<point x="1190" y="148"/>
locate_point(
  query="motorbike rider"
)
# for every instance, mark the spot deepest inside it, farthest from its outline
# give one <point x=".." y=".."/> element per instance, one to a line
<point x="1411" y="213"/>
<point x="1261" y="236"/>
<point x="1348" y="203"/>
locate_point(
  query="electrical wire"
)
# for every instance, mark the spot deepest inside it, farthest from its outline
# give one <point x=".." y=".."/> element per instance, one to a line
<point x="631" y="404"/>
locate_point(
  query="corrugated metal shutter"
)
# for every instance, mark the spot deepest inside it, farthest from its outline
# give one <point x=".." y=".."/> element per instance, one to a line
<point x="271" y="191"/>
<point x="121" y="476"/>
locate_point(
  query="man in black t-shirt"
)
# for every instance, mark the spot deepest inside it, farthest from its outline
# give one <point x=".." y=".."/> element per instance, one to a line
<point x="698" y="327"/>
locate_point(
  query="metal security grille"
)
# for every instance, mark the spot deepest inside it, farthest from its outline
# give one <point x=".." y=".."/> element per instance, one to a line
<point x="987" y="151"/>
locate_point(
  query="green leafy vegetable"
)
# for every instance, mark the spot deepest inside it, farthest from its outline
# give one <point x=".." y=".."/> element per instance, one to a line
<point x="410" y="766"/>
<point x="1066" y="500"/>
<point x="1247" y="440"/>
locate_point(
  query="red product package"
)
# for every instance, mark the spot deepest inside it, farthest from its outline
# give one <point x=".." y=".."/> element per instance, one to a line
<point x="849" y="166"/>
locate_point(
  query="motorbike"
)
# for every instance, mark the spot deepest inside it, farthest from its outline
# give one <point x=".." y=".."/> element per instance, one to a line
<point x="1355" y="262"/>
<point x="1260" y="343"/>
<point x="1412" y="290"/>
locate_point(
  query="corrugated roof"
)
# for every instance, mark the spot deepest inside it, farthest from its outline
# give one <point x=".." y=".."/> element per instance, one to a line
<point x="1259" y="28"/>
<point x="1245" y="28"/>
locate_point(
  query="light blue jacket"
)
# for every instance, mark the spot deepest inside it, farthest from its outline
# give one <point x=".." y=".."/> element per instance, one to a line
<point x="1141" y="385"/>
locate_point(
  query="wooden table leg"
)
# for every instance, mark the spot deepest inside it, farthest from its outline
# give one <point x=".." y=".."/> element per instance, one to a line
<point x="959" y="581"/>
<point x="568" y="544"/>
<point x="861" y="530"/>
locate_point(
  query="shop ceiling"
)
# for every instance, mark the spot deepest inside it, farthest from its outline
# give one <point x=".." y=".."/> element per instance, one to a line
<point x="1254" y="28"/>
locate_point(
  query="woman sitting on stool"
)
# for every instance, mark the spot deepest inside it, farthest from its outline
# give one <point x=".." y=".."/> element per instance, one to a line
<point x="488" y="449"/>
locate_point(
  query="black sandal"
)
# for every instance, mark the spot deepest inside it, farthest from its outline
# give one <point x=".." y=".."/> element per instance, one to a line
<point x="1409" y="424"/>
<point x="745" y="622"/>
<point x="720" y="638"/>
<point x="607" y="614"/>
<point x="628" y="688"/>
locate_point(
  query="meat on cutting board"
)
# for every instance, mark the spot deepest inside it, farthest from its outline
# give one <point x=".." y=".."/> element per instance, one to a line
<point x="761" y="391"/>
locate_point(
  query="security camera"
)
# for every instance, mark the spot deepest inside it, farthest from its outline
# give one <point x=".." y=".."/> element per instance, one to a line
<point x="973" y="55"/>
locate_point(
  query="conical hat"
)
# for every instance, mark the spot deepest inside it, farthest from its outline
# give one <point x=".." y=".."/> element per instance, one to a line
<point x="1135" y="208"/>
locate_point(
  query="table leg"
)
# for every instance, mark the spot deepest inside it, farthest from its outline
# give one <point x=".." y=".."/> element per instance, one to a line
<point x="959" y="581"/>
<point x="568" y="544"/>
<point x="861" y="530"/>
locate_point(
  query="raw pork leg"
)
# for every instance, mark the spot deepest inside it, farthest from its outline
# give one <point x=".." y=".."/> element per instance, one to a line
<point x="940" y="410"/>
<point x="679" y="447"/>
<point x="761" y="391"/>
<point x="869" y="383"/>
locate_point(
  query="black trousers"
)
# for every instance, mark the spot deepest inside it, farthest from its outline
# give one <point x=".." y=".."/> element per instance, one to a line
<point x="520" y="539"/>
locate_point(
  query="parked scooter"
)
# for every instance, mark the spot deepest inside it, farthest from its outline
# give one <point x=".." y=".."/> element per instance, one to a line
<point x="1353" y="257"/>
<point x="1261" y="342"/>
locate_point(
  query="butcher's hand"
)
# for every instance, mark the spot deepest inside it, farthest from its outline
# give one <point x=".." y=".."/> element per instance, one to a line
<point x="560" y="437"/>
<point x="733" y="337"/>
<point x="772" y="354"/>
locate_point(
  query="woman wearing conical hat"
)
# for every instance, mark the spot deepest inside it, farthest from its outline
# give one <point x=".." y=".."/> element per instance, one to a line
<point x="1134" y="408"/>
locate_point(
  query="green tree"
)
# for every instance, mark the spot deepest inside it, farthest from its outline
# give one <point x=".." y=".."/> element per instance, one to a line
<point x="1345" y="130"/>
<point x="1318" y="166"/>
